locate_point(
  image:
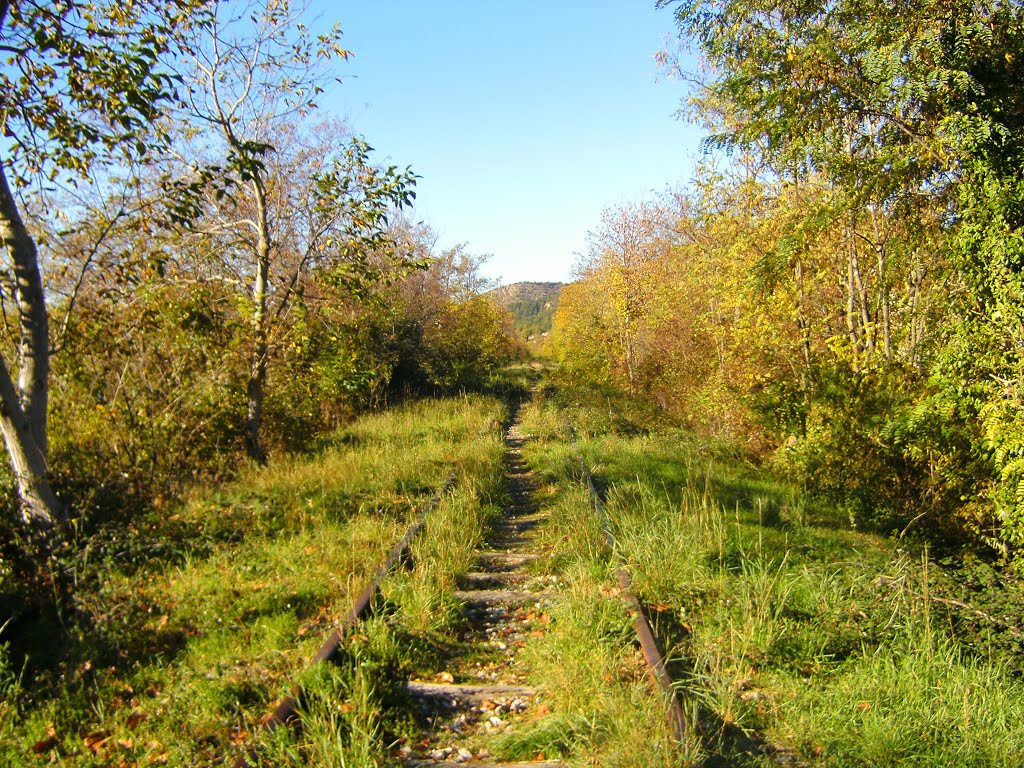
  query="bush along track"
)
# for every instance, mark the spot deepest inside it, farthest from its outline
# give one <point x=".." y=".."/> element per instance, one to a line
<point x="793" y="639"/>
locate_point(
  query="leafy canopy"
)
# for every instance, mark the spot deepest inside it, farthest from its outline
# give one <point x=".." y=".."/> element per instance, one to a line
<point x="78" y="80"/>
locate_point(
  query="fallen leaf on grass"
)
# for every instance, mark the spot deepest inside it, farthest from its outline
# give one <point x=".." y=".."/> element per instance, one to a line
<point x="134" y="719"/>
<point x="45" y="745"/>
<point x="95" y="741"/>
<point x="238" y="736"/>
<point x="264" y="719"/>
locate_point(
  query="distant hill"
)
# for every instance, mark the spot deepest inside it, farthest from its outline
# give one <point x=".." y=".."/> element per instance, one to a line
<point x="532" y="305"/>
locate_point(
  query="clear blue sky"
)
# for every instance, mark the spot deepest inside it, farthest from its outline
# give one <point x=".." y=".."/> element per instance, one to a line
<point x="524" y="119"/>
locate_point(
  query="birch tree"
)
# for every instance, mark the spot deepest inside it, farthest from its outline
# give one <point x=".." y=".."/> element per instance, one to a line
<point x="80" y="84"/>
<point x="256" y="70"/>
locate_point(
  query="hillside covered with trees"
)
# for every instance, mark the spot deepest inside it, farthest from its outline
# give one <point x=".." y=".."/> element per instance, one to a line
<point x="532" y="306"/>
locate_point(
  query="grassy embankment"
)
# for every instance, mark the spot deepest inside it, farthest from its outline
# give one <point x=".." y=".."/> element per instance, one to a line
<point x="793" y="636"/>
<point x="186" y="625"/>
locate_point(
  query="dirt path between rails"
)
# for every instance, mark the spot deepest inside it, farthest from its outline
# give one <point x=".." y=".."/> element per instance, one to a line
<point x="483" y="690"/>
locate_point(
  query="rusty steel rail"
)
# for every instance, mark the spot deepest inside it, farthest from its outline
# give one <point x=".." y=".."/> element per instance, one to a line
<point x="286" y="709"/>
<point x="645" y="636"/>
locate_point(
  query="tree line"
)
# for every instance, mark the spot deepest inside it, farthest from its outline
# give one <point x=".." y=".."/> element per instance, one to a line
<point x="840" y="290"/>
<point x="199" y="263"/>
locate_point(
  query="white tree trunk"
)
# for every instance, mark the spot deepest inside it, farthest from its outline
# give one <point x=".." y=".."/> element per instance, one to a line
<point x="258" y="363"/>
<point x="23" y="407"/>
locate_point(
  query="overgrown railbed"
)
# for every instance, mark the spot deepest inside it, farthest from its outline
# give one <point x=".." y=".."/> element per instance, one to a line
<point x="596" y="706"/>
<point x="794" y="637"/>
<point x="185" y="625"/>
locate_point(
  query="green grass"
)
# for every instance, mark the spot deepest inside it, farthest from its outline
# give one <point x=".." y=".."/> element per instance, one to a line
<point x="604" y="709"/>
<point x="353" y="712"/>
<point x="189" y="623"/>
<point x="792" y="637"/>
<point x="789" y="632"/>
<point x="597" y="706"/>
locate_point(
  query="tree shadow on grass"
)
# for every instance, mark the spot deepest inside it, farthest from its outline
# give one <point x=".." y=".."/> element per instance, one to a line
<point x="725" y="744"/>
<point x="65" y="625"/>
<point x="743" y="492"/>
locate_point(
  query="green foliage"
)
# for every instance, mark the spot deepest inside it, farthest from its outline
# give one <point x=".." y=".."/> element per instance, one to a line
<point x="147" y="400"/>
<point x="981" y="366"/>
<point x="361" y="197"/>
<point x="853" y="455"/>
<point x="467" y="343"/>
<point x="847" y="291"/>
<point x="88" y="81"/>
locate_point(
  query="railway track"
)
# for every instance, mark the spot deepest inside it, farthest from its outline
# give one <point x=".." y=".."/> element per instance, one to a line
<point x="644" y="633"/>
<point x="483" y="690"/>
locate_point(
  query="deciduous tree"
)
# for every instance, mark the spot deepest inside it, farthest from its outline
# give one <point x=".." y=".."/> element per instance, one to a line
<point x="253" y="80"/>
